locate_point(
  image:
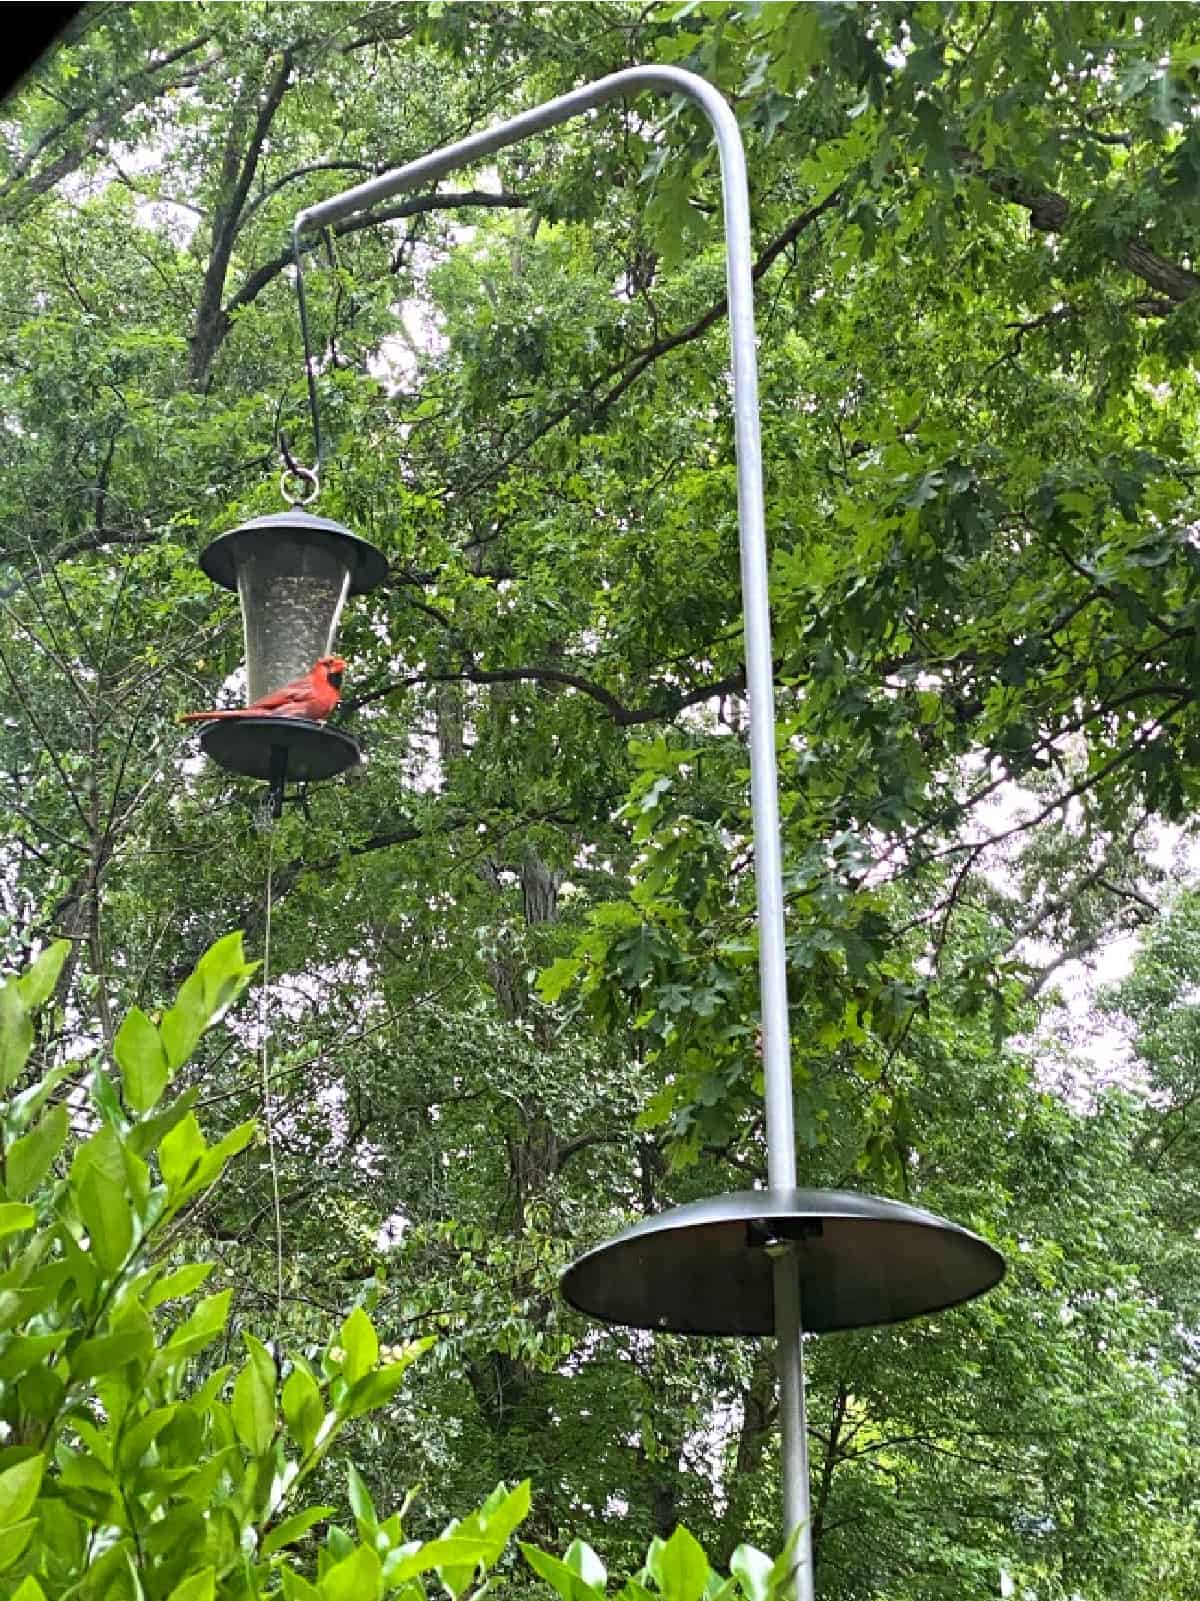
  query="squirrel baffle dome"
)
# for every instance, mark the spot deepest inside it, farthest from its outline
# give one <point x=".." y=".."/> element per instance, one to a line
<point x="705" y="1268"/>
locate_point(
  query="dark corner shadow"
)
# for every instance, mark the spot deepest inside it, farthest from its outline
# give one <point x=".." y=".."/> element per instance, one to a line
<point x="32" y="31"/>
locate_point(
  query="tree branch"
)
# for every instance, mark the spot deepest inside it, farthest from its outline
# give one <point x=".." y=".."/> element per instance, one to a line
<point x="623" y="716"/>
<point x="273" y="189"/>
<point x="93" y="539"/>
<point x="212" y="319"/>
<point x="1051" y="213"/>
<point x="628" y="372"/>
<point x="1082" y="947"/>
<point x="268" y="271"/>
<point x="581" y="1142"/>
<point x="117" y="103"/>
<point x="1145" y="737"/>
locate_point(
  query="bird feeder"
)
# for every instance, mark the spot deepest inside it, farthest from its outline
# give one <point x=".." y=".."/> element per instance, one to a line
<point x="292" y="573"/>
<point x="708" y="1267"/>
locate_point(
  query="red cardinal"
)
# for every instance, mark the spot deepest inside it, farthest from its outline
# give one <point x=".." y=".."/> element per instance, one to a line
<point x="314" y="696"/>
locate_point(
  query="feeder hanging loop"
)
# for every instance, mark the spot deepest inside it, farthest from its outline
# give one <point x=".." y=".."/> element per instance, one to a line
<point x="306" y="475"/>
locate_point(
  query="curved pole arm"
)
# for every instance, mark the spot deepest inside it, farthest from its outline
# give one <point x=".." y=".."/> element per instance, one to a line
<point x="781" y="1145"/>
<point x="768" y="873"/>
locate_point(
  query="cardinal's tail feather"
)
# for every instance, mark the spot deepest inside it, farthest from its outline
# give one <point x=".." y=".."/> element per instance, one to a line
<point x="212" y="717"/>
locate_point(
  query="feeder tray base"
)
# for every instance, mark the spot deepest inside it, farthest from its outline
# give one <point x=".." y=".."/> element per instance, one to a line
<point x="247" y="745"/>
<point x="708" y="1268"/>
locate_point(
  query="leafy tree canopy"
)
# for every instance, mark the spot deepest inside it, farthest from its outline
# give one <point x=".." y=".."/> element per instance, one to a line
<point x="512" y="991"/>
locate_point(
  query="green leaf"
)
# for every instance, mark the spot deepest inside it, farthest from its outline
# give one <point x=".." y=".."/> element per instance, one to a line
<point x="581" y="1559"/>
<point x="931" y="133"/>
<point x="106" y="1100"/>
<point x="136" y="1441"/>
<point x="184" y="1023"/>
<point x="297" y="1589"/>
<point x="451" y="1551"/>
<point x="636" y="954"/>
<point x="219" y="977"/>
<point x="753" y="1570"/>
<point x="291" y="1529"/>
<point x="25" y="1106"/>
<point x="632" y="1590"/>
<point x="205" y="1323"/>
<point x="196" y="1587"/>
<point x="358" y="1578"/>
<point x="110" y="1351"/>
<point x="201" y="1487"/>
<point x="146" y="1134"/>
<point x="180" y="1155"/>
<point x="213" y="1386"/>
<point x="23" y="1351"/>
<point x="378" y="1387"/>
<point x="568" y="1583"/>
<point x="359" y="1341"/>
<point x="360" y="1498"/>
<point x="924" y="490"/>
<point x="40" y="1393"/>
<point x="142" y="1060"/>
<point x="253" y="1404"/>
<point x="781" y="1576"/>
<point x="16" y="1034"/>
<point x="560" y="975"/>
<point x="189" y="1165"/>
<point x="303" y="1409"/>
<point x="29" y="1159"/>
<point x="176" y="1285"/>
<point x="36" y="983"/>
<point x="28" y="1590"/>
<point x="679" y="1567"/>
<point x="236" y="1140"/>
<point x="224" y="971"/>
<point x="15" y="1216"/>
<point x="502" y="1512"/>
<point x="19" y="1486"/>
<point x="13" y="1541"/>
<point x="98" y="1184"/>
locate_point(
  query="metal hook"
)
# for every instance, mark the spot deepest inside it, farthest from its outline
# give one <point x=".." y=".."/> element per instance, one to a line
<point x="309" y="475"/>
<point x="293" y="469"/>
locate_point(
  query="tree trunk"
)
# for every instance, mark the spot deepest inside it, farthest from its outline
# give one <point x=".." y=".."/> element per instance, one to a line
<point x="759" y="1412"/>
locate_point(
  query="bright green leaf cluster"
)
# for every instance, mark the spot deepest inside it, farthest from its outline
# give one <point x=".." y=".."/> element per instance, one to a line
<point x="131" y="1470"/>
<point x="675" y="1569"/>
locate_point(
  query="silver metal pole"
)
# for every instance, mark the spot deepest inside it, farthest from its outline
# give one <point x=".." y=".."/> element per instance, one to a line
<point x="793" y="1425"/>
<point x="764" y="788"/>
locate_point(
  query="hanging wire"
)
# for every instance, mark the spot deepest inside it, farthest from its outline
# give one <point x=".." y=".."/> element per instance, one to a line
<point x="265" y="1070"/>
<point x="305" y="333"/>
<point x="310" y="475"/>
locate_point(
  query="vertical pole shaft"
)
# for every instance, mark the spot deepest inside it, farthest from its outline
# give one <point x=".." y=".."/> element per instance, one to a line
<point x="793" y="1420"/>
<point x="768" y="854"/>
<point x="760" y="671"/>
